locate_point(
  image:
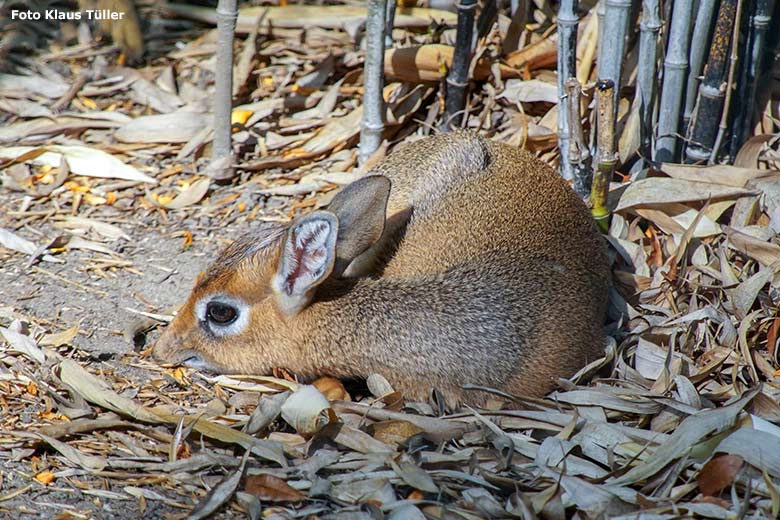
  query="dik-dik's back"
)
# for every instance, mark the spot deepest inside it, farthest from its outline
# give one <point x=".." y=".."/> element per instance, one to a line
<point x="475" y="264"/>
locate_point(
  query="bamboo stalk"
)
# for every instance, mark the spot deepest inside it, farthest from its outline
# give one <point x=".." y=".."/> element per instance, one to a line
<point x="759" y="27"/>
<point x="487" y="17"/>
<point x="389" y="23"/>
<point x="709" y="105"/>
<point x="457" y="79"/>
<point x="222" y="150"/>
<point x="734" y="58"/>
<point x="613" y="43"/>
<point x="373" y="71"/>
<point x="675" y="66"/>
<point x="649" y="27"/>
<point x="579" y="154"/>
<point x="702" y="29"/>
<point x="567" y="68"/>
<point x="606" y="157"/>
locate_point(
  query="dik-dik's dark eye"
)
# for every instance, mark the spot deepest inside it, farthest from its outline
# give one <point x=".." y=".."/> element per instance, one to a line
<point x="221" y="313"/>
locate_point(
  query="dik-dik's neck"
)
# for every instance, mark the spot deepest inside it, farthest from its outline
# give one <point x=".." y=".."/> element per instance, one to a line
<point x="350" y="330"/>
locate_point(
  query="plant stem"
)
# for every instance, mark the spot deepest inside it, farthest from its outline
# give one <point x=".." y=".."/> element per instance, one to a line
<point x="647" y="73"/>
<point x="389" y="23"/>
<point x="606" y="157"/>
<point x="613" y="43"/>
<point x="702" y="29"/>
<point x="759" y="27"/>
<point x="704" y="123"/>
<point x="734" y="58"/>
<point x="227" y="13"/>
<point x="675" y="66"/>
<point x="457" y="79"/>
<point x="373" y="72"/>
<point x="578" y="155"/>
<point x="567" y="68"/>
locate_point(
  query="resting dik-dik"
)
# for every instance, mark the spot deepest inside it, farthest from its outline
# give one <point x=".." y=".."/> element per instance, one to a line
<point x="456" y="260"/>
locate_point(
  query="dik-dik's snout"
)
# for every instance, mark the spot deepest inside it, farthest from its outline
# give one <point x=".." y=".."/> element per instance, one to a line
<point x="171" y="349"/>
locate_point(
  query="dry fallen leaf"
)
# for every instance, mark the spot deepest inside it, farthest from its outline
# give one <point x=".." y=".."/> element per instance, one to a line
<point x="718" y="474"/>
<point x="271" y="488"/>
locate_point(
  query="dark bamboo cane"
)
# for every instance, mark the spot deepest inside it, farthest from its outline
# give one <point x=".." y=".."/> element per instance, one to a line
<point x="704" y="126"/>
<point x="757" y="35"/>
<point x="390" y="23"/>
<point x="733" y="61"/>
<point x="457" y="79"/>
<point x="606" y="157"/>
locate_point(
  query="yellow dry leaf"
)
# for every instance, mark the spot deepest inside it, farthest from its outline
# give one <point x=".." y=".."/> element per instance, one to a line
<point x="240" y="117"/>
<point x="187" y="239"/>
<point x="88" y="103"/>
<point x="45" y="477"/>
<point x="49" y="416"/>
<point x="94" y="200"/>
<point x="179" y="375"/>
<point x="162" y="200"/>
<point x="76" y="187"/>
<point x="241" y="206"/>
<point x="268" y="81"/>
<point x="32" y="388"/>
<point x="110" y="197"/>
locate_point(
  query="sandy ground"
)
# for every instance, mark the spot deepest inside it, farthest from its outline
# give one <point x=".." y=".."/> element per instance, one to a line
<point x="57" y="296"/>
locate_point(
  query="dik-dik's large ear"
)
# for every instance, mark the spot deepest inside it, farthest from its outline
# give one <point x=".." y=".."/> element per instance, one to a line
<point x="308" y="255"/>
<point x="360" y="208"/>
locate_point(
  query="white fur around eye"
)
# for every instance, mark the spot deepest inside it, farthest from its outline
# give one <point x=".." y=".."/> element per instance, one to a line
<point x="234" y="328"/>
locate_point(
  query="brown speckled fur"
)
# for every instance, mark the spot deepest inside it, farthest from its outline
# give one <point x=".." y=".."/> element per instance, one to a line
<point x="499" y="278"/>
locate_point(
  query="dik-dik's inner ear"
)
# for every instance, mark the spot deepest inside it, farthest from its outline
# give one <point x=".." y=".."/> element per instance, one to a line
<point x="308" y="255"/>
<point x="360" y="208"/>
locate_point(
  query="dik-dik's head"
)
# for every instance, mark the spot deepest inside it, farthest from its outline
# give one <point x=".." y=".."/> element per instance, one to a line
<point x="246" y="310"/>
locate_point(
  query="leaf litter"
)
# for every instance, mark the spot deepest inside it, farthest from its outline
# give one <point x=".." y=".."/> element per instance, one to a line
<point x="679" y="418"/>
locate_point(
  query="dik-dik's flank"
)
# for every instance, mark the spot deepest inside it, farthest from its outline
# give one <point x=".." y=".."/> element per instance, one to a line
<point x="459" y="260"/>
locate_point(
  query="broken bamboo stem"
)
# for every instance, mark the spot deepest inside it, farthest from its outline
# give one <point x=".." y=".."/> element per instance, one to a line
<point x="606" y="157"/>
<point x="579" y="155"/>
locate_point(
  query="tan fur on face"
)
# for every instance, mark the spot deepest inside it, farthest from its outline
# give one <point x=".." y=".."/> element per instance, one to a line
<point x="490" y="272"/>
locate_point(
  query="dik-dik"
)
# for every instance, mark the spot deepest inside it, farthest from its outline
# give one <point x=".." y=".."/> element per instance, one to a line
<point x="457" y="260"/>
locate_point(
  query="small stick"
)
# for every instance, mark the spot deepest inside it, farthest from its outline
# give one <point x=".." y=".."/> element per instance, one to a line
<point x="606" y="157"/>
<point x="74" y="89"/>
